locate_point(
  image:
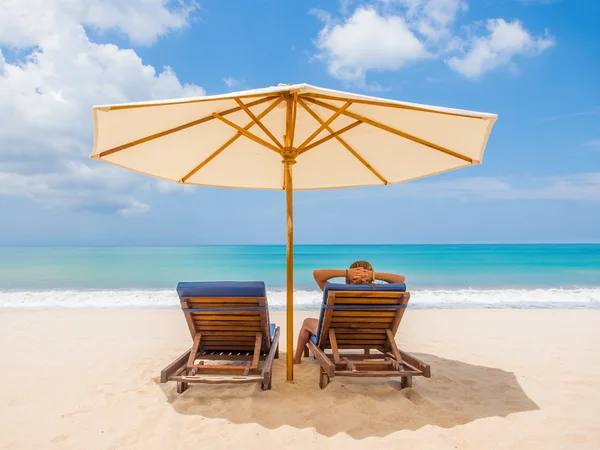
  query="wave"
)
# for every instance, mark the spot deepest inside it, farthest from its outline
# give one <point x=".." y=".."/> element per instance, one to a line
<point x="584" y="298"/>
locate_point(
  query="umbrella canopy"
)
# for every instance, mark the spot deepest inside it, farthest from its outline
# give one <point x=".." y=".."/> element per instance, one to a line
<point x="289" y="137"/>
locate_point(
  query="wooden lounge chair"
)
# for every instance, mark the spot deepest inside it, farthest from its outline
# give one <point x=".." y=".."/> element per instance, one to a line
<point x="229" y="324"/>
<point x="366" y="318"/>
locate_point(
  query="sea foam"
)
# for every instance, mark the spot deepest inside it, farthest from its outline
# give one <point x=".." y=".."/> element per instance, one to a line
<point x="584" y="298"/>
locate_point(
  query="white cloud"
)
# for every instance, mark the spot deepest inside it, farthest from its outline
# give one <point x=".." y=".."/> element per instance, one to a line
<point x="46" y="97"/>
<point x="505" y="41"/>
<point x="388" y="34"/>
<point x="24" y="23"/>
<point x="134" y="209"/>
<point x="432" y="18"/>
<point x="367" y="41"/>
<point x="232" y="82"/>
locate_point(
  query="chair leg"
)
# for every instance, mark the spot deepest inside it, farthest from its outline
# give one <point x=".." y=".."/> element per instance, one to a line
<point x="181" y="387"/>
<point x="405" y="382"/>
<point x="306" y="353"/>
<point x="323" y="378"/>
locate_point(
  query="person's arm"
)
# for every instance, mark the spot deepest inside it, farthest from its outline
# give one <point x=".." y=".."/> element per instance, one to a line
<point x="322" y="276"/>
<point x="390" y="277"/>
<point x="369" y="277"/>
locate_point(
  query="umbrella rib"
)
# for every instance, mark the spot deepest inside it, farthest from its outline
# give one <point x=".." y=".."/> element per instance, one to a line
<point x="389" y="129"/>
<point x="176" y="129"/>
<point x="338" y="112"/>
<point x="294" y="108"/>
<point x="246" y="133"/>
<point x="258" y="122"/>
<point x="344" y="143"/>
<point x="391" y="105"/>
<point x="230" y="141"/>
<point x="334" y="134"/>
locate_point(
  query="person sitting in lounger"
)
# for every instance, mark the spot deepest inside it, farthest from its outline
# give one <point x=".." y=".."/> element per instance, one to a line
<point x="359" y="272"/>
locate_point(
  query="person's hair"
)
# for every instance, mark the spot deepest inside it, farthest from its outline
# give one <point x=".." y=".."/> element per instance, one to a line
<point x="365" y="265"/>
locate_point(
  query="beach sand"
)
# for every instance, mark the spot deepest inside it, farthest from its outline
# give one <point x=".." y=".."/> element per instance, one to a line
<point x="500" y="379"/>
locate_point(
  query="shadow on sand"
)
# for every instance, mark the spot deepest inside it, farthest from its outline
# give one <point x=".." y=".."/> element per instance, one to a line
<point x="457" y="393"/>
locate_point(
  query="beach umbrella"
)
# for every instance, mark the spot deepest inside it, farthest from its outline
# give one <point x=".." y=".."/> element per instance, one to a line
<point x="288" y="137"/>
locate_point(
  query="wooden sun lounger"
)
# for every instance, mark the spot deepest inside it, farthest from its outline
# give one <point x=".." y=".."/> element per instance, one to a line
<point x="229" y="323"/>
<point x="363" y="319"/>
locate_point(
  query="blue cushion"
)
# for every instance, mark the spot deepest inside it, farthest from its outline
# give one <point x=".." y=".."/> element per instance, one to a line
<point x="221" y="289"/>
<point x="314" y="339"/>
<point x="389" y="287"/>
<point x="272" y="330"/>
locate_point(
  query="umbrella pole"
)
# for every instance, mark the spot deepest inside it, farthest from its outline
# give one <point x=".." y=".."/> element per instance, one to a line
<point x="289" y="201"/>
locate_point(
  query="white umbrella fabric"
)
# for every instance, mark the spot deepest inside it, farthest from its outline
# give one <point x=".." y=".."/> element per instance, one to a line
<point x="289" y="137"/>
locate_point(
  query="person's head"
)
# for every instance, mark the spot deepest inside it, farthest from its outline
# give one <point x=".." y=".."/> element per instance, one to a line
<point x="365" y="265"/>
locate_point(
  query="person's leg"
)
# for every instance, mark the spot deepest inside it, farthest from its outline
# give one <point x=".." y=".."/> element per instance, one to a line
<point x="309" y="326"/>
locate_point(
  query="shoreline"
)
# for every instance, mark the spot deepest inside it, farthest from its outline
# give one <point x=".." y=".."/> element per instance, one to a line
<point x="309" y="300"/>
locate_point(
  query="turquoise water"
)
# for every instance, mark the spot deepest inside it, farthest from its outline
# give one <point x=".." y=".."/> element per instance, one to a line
<point x="426" y="266"/>
<point x="438" y="276"/>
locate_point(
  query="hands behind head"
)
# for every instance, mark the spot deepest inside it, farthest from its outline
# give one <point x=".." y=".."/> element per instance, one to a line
<point x="360" y="275"/>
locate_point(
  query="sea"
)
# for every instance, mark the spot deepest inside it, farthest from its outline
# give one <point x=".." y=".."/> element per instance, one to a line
<point x="546" y="276"/>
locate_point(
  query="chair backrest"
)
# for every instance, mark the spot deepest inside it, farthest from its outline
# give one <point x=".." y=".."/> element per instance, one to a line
<point x="227" y="314"/>
<point x="361" y="314"/>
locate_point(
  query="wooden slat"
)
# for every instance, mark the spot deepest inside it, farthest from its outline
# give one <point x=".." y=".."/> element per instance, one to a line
<point x="366" y="301"/>
<point x="194" y="350"/>
<point x="229" y="333"/>
<point x="348" y="330"/>
<point x="400" y="314"/>
<point x="323" y="360"/>
<point x="327" y="319"/>
<point x="373" y="365"/>
<point x="226" y="319"/>
<point x="376" y="373"/>
<point x="218" y="326"/>
<point x="222" y="300"/>
<point x="349" y="364"/>
<point x="345" y="319"/>
<point x="334" y="347"/>
<point x="238" y="356"/>
<point x="365" y="313"/>
<point x="221" y="367"/>
<point x="264" y="326"/>
<point x="416" y="363"/>
<point x="357" y="346"/>
<point x="228" y="345"/>
<point x="350" y="325"/>
<point x="369" y="336"/>
<point x="211" y="305"/>
<point x="393" y="346"/>
<point x="267" y="367"/>
<point x="257" y="346"/>
<point x="251" y="315"/>
<point x="232" y="380"/>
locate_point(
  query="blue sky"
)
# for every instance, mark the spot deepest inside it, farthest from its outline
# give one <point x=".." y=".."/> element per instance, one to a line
<point x="535" y="63"/>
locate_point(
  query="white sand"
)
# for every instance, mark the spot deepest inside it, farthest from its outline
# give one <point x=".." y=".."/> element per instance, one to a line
<point x="500" y="379"/>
